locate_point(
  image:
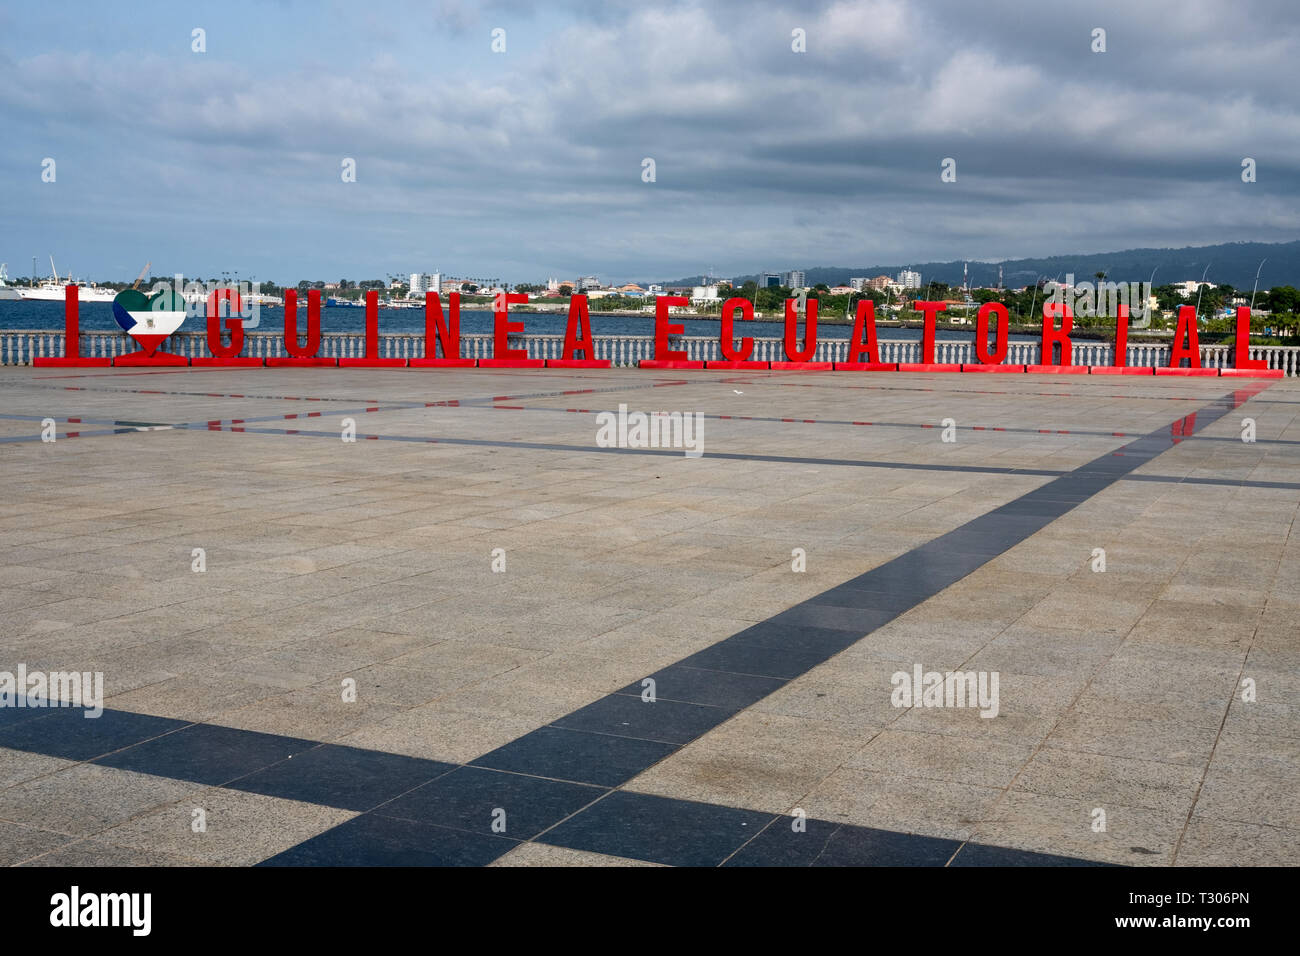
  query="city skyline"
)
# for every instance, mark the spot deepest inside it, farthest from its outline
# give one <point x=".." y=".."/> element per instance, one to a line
<point x="1258" y="265"/>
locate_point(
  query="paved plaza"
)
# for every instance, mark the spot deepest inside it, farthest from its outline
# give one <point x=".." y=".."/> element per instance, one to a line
<point x="475" y="636"/>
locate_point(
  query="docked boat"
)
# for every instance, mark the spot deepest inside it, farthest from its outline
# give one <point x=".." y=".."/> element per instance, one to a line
<point x="199" y="296"/>
<point x="7" y="292"/>
<point x="49" y="291"/>
<point x="53" y="289"/>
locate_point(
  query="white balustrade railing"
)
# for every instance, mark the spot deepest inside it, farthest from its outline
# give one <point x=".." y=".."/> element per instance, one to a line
<point x="21" y="346"/>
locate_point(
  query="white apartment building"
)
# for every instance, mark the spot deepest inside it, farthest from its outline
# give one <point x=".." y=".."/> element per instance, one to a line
<point x="1191" y="287"/>
<point x="422" y="282"/>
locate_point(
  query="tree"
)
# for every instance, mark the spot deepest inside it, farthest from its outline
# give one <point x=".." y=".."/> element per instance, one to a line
<point x="1168" y="298"/>
<point x="1214" y="300"/>
<point x="772" y="298"/>
<point x="566" y="290"/>
<point x="1283" y="299"/>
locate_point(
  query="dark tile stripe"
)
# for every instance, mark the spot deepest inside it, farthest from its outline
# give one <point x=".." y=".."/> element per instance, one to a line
<point x="577" y="755"/>
<point x="207" y="754"/>
<point x="661" y="452"/>
<point x="727" y="456"/>
<point x="374" y="840"/>
<point x="819" y="843"/>
<point x="658" y="829"/>
<point x="473" y="799"/>
<point x="1004" y="429"/>
<point x="67" y="733"/>
<point x="345" y="777"/>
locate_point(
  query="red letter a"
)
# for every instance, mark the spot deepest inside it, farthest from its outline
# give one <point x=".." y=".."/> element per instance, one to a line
<point x="864" y="320"/>
<point x="577" y="335"/>
<point x="1186" y="330"/>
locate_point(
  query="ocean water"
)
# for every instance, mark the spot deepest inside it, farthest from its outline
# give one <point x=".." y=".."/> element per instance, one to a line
<point x="98" y="317"/>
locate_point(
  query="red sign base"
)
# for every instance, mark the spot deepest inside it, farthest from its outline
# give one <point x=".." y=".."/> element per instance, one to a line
<point x="443" y="363"/>
<point x="72" y="362"/>
<point x="143" y="358"/>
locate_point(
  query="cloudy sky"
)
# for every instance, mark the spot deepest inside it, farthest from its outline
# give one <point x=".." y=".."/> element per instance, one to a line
<point x="528" y="163"/>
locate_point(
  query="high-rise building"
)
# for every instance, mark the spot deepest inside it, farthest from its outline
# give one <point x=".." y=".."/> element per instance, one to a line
<point x="909" y="279"/>
<point x="858" y="283"/>
<point x="422" y="282"/>
<point x="794" y="279"/>
<point x="769" y="280"/>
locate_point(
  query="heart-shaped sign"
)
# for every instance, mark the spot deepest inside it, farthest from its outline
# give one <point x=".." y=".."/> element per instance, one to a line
<point x="148" y="319"/>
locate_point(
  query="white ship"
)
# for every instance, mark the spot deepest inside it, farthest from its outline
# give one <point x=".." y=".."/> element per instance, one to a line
<point x="260" y="299"/>
<point x="6" y="290"/>
<point x="52" y="289"/>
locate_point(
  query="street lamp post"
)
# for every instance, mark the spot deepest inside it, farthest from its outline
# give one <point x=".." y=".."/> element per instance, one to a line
<point x="1033" y="298"/>
<point x="1151" y="290"/>
<point x="1256" y="288"/>
<point x="1199" y="289"/>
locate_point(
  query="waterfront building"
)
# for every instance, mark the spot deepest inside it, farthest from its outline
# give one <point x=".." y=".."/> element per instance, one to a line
<point x="422" y="282"/>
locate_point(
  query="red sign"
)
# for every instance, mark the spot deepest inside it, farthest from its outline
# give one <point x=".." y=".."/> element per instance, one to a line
<point x="442" y="331"/>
